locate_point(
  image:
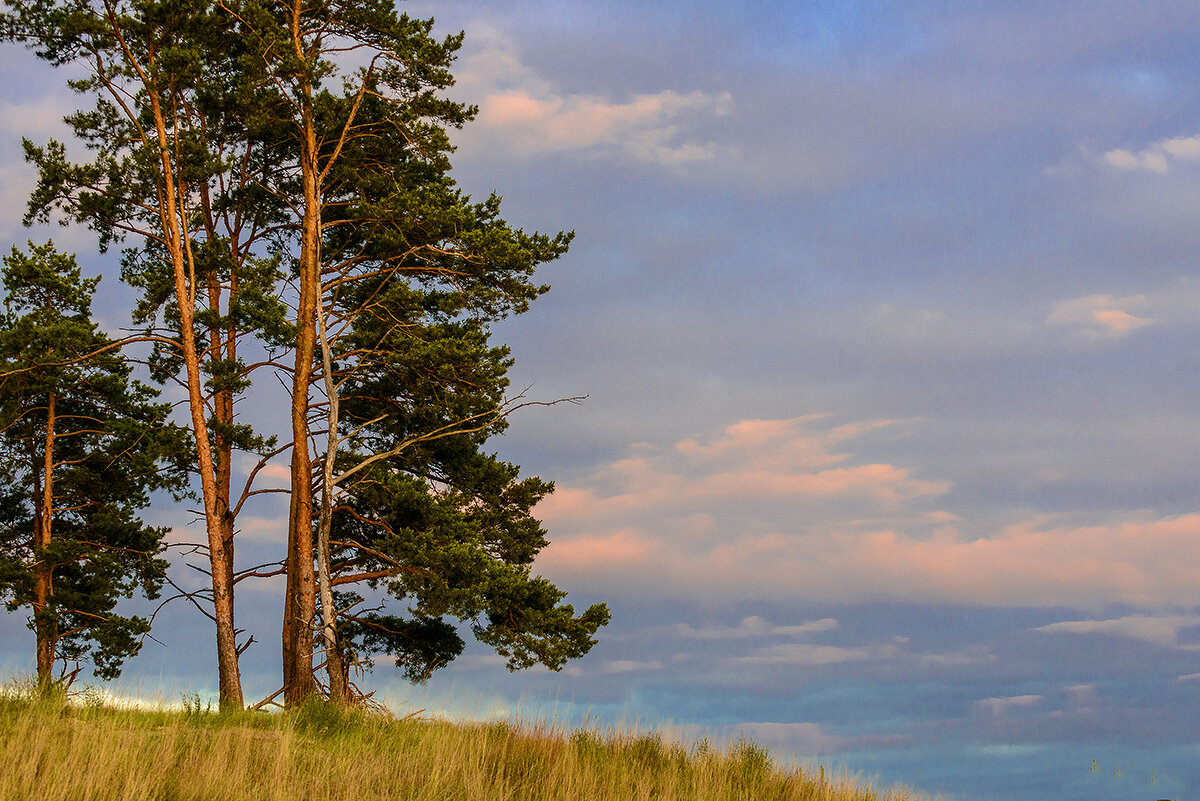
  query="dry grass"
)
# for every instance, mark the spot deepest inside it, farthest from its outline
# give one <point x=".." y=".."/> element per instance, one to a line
<point x="52" y="750"/>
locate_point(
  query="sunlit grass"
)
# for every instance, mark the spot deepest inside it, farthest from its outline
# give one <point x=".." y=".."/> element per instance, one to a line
<point x="52" y="749"/>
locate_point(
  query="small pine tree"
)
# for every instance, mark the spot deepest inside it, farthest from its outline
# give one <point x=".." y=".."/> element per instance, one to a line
<point x="82" y="446"/>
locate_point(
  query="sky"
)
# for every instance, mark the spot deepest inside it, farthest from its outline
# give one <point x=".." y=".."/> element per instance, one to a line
<point x="885" y="313"/>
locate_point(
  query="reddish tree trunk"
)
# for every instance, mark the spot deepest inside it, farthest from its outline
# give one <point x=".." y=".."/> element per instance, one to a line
<point x="300" y="601"/>
<point x="43" y="571"/>
<point x="178" y="247"/>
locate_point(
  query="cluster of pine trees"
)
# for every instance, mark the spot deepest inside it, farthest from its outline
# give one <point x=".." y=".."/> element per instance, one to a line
<point x="276" y="173"/>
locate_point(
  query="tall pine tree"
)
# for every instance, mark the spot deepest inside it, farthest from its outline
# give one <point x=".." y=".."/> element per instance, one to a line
<point x="398" y="274"/>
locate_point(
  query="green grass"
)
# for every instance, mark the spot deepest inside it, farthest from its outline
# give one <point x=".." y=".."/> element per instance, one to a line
<point x="55" y="750"/>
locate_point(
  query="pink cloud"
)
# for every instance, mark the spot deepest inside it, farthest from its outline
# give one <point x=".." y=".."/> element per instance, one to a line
<point x="1117" y="321"/>
<point x="517" y="108"/>
<point x="780" y="444"/>
<point x="1149" y="563"/>
<point x="647" y="127"/>
<point x="758" y="434"/>
<point x="1101" y="315"/>
<point x="1018" y="567"/>
<point x="754" y="462"/>
<point x="752" y="513"/>
<point x="607" y="551"/>
<point x="879" y="480"/>
<point x="522" y="113"/>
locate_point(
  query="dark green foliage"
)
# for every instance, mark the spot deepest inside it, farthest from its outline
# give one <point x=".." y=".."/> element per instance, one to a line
<point x="112" y="447"/>
<point x="459" y="551"/>
<point x="442" y="526"/>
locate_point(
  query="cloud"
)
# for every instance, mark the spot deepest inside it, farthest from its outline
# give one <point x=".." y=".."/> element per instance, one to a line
<point x="804" y="738"/>
<point x="1101" y="316"/>
<point x="754" y="626"/>
<point x="998" y="707"/>
<point x="809" y="655"/>
<point x="614" y="667"/>
<point x="967" y="657"/>
<point x="273" y="475"/>
<point x="1157" y="157"/>
<point x="749" y="463"/>
<point x="478" y="662"/>
<point x="17" y="182"/>
<point x="792" y="515"/>
<point x="646" y="127"/>
<point x="526" y="115"/>
<point x="1162" y="631"/>
<point x="1146" y="563"/>
<point x="37" y="118"/>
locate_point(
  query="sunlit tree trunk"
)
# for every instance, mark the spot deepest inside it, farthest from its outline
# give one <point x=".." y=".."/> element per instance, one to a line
<point x="300" y="601"/>
<point x="177" y="243"/>
<point x="43" y="571"/>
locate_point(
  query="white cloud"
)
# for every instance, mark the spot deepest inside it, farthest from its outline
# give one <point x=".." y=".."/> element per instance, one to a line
<point x="38" y="120"/>
<point x="973" y="655"/>
<point x="755" y="626"/>
<point x="1163" y="631"/>
<point x="1158" y="157"/>
<point x="478" y="662"/>
<point x="804" y="738"/>
<point x="809" y="655"/>
<point x="614" y="667"/>
<point x="788" y="739"/>
<point x="998" y="707"/>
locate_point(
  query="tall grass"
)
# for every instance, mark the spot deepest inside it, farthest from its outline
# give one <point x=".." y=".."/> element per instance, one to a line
<point x="51" y="750"/>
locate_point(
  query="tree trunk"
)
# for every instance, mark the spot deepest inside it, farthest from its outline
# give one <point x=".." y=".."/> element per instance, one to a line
<point x="339" y="692"/>
<point x="222" y="443"/>
<point x="178" y="246"/>
<point x="43" y="587"/>
<point x="300" y="601"/>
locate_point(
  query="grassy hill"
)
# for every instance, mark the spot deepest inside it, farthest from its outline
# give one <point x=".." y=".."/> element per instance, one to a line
<point x="53" y="750"/>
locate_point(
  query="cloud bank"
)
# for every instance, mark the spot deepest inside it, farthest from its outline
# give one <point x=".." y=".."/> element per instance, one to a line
<point x="787" y="509"/>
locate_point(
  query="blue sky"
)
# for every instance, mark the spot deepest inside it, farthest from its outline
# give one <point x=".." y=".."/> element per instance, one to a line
<point x="886" y="316"/>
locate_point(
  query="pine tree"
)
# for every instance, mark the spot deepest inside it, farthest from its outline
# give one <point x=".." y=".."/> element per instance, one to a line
<point x="398" y="274"/>
<point x="82" y="446"/>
